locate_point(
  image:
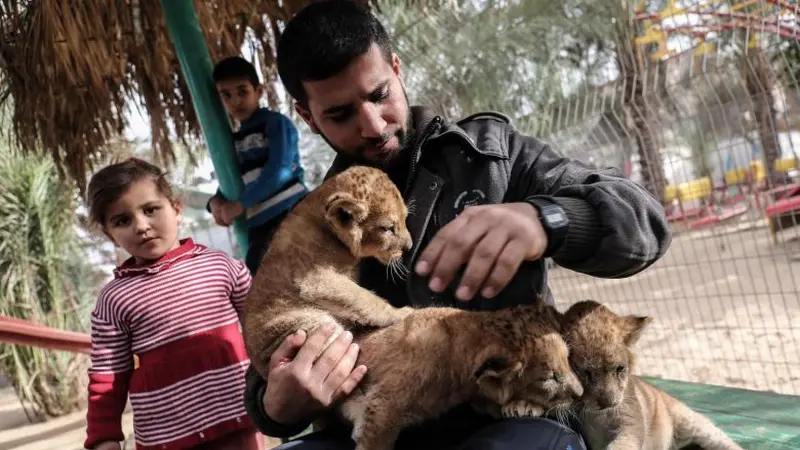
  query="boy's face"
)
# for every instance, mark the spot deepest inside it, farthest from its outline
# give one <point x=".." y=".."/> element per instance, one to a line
<point x="239" y="96"/>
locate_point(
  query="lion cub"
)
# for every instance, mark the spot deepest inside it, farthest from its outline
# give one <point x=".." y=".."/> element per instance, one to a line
<point x="619" y="411"/>
<point x="307" y="277"/>
<point x="510" y="362"/>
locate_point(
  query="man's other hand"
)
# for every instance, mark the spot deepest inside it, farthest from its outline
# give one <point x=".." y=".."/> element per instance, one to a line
<point x="301" y="384"/>
<point x="492" y="240"/>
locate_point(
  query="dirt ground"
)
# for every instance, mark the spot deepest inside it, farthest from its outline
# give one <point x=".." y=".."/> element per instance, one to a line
<point x="64" y="433"/>
<point x="726" y="304"/>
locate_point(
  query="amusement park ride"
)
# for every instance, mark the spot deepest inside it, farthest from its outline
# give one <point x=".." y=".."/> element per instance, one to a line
<point x="702" y="20"/>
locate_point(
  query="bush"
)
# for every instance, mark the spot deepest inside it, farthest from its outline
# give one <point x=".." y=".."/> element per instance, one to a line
<point x="44" y="278"/>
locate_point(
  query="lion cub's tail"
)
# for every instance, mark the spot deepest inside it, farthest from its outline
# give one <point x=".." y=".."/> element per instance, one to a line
<point x="693" y="427"/>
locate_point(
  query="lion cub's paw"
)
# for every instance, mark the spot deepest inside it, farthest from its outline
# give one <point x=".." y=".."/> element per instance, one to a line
<point x="522" y="408"/>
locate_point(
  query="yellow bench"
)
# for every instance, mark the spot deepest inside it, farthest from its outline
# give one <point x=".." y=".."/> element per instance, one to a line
<point x="701" y="188"/>
<point x="692" y="190"/>
<point x="736" y="176"/>
<point x="781" y="165"/>
<point x="670" y="193"/>
<point x="785" y="164"/>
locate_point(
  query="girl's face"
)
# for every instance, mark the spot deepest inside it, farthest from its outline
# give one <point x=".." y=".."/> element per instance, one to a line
<point x="143" y="222"/>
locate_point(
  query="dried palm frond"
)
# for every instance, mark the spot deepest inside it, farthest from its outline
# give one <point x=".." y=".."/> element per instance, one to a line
<point x="71" y="69"/>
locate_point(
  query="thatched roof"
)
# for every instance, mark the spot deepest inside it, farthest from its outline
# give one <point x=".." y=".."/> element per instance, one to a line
<point x="70" y="68"/>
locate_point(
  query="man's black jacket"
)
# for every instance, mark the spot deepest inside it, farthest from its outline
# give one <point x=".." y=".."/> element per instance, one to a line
<point x="616" y="228"/>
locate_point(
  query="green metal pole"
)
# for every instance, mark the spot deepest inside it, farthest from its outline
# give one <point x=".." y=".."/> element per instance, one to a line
<point x="195" y="61"/>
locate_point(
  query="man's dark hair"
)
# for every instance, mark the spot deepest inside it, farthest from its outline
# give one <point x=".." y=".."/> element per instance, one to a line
<point x="235" y="67"/>
<point x="322" y="39"/>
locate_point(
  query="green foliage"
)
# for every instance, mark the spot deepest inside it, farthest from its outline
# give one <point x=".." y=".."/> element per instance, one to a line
<point x="504" y="56"/>
<point x="44" y="279"/>
<point x="791" y="63"/>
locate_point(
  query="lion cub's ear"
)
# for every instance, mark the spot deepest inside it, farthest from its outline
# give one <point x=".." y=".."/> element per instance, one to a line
<point x="497" y="368"/>
<point x="344" y="214"/>
<point x="494" y="376"/>
<point x="342" y="210"/>
<point x="632" y="327"/>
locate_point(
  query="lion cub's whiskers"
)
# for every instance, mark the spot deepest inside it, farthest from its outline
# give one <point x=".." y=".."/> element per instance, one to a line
<point x="396" y="270"/>
<point x="412" y="207"/>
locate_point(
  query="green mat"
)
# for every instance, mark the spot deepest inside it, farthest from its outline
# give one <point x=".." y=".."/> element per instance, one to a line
<point x="756" y="420"/>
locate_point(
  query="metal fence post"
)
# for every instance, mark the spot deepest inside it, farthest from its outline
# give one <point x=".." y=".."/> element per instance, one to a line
<point x="195" y="62"/>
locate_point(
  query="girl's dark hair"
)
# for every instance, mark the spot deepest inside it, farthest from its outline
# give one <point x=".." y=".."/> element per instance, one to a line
<point x="113" y="180"/>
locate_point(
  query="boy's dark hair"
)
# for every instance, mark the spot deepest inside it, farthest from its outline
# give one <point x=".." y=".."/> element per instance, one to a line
<point x="113" y="180"/>
<point x="322" y="39"/>
<point x="235" y="67"/>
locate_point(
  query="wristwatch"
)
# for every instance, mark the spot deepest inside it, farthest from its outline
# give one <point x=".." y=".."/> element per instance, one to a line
<point x="554" y="221"/>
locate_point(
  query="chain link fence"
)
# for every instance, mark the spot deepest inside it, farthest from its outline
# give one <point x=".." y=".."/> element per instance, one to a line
<point x="700" y="130"/>
<point x="714" y="131"/>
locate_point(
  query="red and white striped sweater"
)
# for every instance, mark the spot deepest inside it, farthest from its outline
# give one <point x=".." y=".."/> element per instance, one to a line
<point x="180" y="316"/>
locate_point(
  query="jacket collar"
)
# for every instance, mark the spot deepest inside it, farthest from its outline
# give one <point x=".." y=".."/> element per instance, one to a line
<point x="421" y="117"/>
<point x="186" y="250"/>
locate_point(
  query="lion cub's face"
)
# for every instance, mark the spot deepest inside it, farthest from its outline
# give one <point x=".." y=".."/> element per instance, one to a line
<point x="368" y="214"/>
<point x="600" y="353"/>
<point x="531" y="380"/>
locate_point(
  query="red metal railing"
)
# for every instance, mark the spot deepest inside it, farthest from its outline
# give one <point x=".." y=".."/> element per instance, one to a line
<point x="18" y="331"/>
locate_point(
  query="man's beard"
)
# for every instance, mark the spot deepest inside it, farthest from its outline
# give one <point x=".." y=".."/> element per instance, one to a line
<point x="405" y="138"/>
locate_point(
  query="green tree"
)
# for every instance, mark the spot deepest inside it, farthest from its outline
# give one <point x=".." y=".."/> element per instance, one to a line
<point x="44" y="279"/>
<point x="521" y="58"/>
<point x="755" y="52"/>
<point x="611" y="39"/>
<point x="476" y="57"/>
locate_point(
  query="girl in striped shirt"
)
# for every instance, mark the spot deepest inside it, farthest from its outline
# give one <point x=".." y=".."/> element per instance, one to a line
<point x="174" y="305"/>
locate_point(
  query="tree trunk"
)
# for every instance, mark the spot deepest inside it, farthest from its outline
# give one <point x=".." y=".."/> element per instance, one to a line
<point x="760" y="83"/>
<point x="649" y="157"/>
<point x="650" y="160"/>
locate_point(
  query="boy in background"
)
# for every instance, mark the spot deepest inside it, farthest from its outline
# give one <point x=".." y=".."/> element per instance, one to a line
<point x="269" y="160"/>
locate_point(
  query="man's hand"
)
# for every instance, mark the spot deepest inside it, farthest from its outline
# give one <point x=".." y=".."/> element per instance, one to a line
<point x="231" y="210"/>
<point x="300" y="384"/>
<point x="215" y="205"/>
<point x="108" y="445"/>
<point x="492" y="240"/>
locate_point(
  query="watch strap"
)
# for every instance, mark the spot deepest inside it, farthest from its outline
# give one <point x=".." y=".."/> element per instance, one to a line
<point x="554" y="221"/>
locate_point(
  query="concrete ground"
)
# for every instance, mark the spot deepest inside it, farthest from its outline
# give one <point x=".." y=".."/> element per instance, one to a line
<point x="726" y="304"/>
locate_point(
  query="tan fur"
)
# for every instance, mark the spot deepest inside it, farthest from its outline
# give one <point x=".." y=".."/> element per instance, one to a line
<point x="307" y="277"/>
<point x="510" y="362"/>
<point x="619" y="411"/>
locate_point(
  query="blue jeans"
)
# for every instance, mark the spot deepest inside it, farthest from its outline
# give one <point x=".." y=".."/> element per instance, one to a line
<point x="511" y="434"/>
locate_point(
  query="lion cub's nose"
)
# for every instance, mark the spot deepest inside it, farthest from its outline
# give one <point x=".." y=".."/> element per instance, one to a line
<point x="407" y="242"/>
<point x="574" y="385"/>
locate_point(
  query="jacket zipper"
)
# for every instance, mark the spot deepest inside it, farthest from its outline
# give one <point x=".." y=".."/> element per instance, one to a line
<point x="415" y="156"/>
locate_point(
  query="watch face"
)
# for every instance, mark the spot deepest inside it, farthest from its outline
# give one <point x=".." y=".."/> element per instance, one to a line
<point x="555" y="218"/>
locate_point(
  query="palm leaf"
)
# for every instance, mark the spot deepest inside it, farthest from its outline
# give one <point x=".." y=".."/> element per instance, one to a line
<point x="44" y="279"/>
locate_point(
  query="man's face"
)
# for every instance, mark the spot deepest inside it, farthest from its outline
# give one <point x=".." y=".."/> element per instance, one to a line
<point x="363" y="111"/>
